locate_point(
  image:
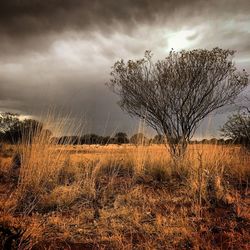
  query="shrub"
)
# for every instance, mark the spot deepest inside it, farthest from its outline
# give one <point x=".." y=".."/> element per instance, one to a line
<point x="237" y="128"/>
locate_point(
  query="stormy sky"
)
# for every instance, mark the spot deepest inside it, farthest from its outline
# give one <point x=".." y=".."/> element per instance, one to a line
<point x="59" y="53"/>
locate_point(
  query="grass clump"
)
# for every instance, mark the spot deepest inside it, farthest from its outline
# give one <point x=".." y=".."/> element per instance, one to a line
<point x="42" y="164"/>
<point x="115" y="167"/>
<point x="60" y="197"/>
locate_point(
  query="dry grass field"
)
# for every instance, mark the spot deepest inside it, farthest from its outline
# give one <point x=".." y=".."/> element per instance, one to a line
<point x="123" y="197"/>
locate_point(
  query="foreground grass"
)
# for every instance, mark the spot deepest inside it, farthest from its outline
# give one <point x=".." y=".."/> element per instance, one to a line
<point x="125" y="197"/>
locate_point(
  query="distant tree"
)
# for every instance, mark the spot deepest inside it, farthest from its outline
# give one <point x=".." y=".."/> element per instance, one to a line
<point x="30" y="128"/>
<point x="213" y="141"/>
<point x="7" y="121"/>
<point x="106" y="140"/>
<point x="229" y="141"/>
<point x="205" y="141"/>
<point x="14" y="130"/>
<point x="237" y="128"/>
<point x="72" y="140"/>
<point x="139" y="139"/>
<point x="84" y="139"/>
<point x="173" y="95"/>
<point x="193" y="142"/>
<point x="121" y="138"/>
<point x="216" y="141"/>
<point x="91" y="139"/>
<point x="220" y="141"/>
<point x="158" y="139"/>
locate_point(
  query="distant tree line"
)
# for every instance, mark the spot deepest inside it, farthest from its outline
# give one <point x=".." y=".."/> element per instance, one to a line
<point x="13" y="129"/>
<point x="136" y="139"/>
<point x="119" y="138"/>
<point x="213" y="141"/>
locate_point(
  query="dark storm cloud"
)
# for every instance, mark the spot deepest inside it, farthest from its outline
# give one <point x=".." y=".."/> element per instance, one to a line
<point x="21" y="18"/>
<point x="32" y="25"/>
<point x="59" y="52"/>
<point x="25" y="17"/>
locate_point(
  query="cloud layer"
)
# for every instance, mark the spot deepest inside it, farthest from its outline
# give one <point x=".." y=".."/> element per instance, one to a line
<point x="59" y="52"/>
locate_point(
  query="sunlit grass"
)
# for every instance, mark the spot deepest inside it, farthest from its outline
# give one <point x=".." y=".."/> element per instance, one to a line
<point x="126" y="196"/>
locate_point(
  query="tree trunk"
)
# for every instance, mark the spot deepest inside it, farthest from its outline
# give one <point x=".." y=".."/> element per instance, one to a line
<point x="178" y="150"/>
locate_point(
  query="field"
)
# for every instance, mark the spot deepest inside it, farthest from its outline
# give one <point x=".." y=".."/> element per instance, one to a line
<point x="124" y="197"/>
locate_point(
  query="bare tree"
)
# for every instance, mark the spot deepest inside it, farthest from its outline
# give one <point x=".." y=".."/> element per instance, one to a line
<point x="174" y="94"/>
<point x="237" y="128"/>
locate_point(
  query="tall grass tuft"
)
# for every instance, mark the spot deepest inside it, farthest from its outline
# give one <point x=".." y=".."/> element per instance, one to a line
<point x="42" y="159"/>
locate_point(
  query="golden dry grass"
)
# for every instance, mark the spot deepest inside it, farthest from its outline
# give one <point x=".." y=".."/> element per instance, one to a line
<point x="127" y="197"/>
